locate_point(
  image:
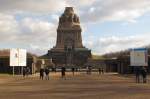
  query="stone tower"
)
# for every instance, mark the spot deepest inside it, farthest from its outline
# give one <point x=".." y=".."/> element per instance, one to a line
<point x="69" y="49"/>
<point x="69" y="30"/>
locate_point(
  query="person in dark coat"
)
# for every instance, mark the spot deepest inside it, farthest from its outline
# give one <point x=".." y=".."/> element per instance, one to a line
<point x="100" y="70"/>
<point x="27" y="71"/>
<point x="63" y="70"/>
<point x="41" y="73"/>
<point x="47" y="74"/>
<point x="24" y="72"/>
<point x="137" y="73"/>
<point x="144" y="74"/>
<point x="73" y="70"/>
<point x="90" y="70"/>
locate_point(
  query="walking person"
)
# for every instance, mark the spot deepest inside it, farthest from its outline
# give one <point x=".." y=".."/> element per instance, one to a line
<point x="144" y="74"/>
<point x="24" y="72"/>
<point x="47" y="74"/>
<point x="102" y="70"/>
<point x="41" y="73"/>
<point x="137" y="73"/>
<point x="90" y="70"/>
<point x="63" y="70"/>
<point x="27" y="71"/>
<point x="73" y="70"/>
<point x="99" y="70"/>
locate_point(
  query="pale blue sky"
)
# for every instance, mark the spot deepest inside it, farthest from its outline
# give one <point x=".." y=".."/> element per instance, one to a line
<point x="108" y="25"/>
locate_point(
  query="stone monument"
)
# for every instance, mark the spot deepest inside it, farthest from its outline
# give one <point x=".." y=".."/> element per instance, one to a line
<point x="69" y="50"/>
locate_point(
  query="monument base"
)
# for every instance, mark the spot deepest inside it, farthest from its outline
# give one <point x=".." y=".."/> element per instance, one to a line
<point x="78" y="56"/>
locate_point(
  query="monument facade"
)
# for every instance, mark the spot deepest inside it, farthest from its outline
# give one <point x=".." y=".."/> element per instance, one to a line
<point x="69" y="49"/>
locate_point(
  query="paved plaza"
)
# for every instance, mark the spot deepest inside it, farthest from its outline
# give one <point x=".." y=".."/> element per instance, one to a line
<point x="80" y="86"/>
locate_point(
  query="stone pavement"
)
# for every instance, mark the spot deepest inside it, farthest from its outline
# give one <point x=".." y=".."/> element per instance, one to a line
<point x="80" y="86"/>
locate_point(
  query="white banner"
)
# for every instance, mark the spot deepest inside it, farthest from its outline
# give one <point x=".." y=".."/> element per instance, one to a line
<point x="18" y="57"/>
<point x="138" y="57"/>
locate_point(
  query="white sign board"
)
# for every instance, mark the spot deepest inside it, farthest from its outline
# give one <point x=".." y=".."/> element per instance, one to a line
<point x="138" y="57"/>
<point x="22" y="57"/>
<point x="14" y="57"/>
<point x="18" y="57"/>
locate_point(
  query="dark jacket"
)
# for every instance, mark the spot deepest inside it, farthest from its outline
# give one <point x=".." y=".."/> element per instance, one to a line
<point x="47" y="71"/>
